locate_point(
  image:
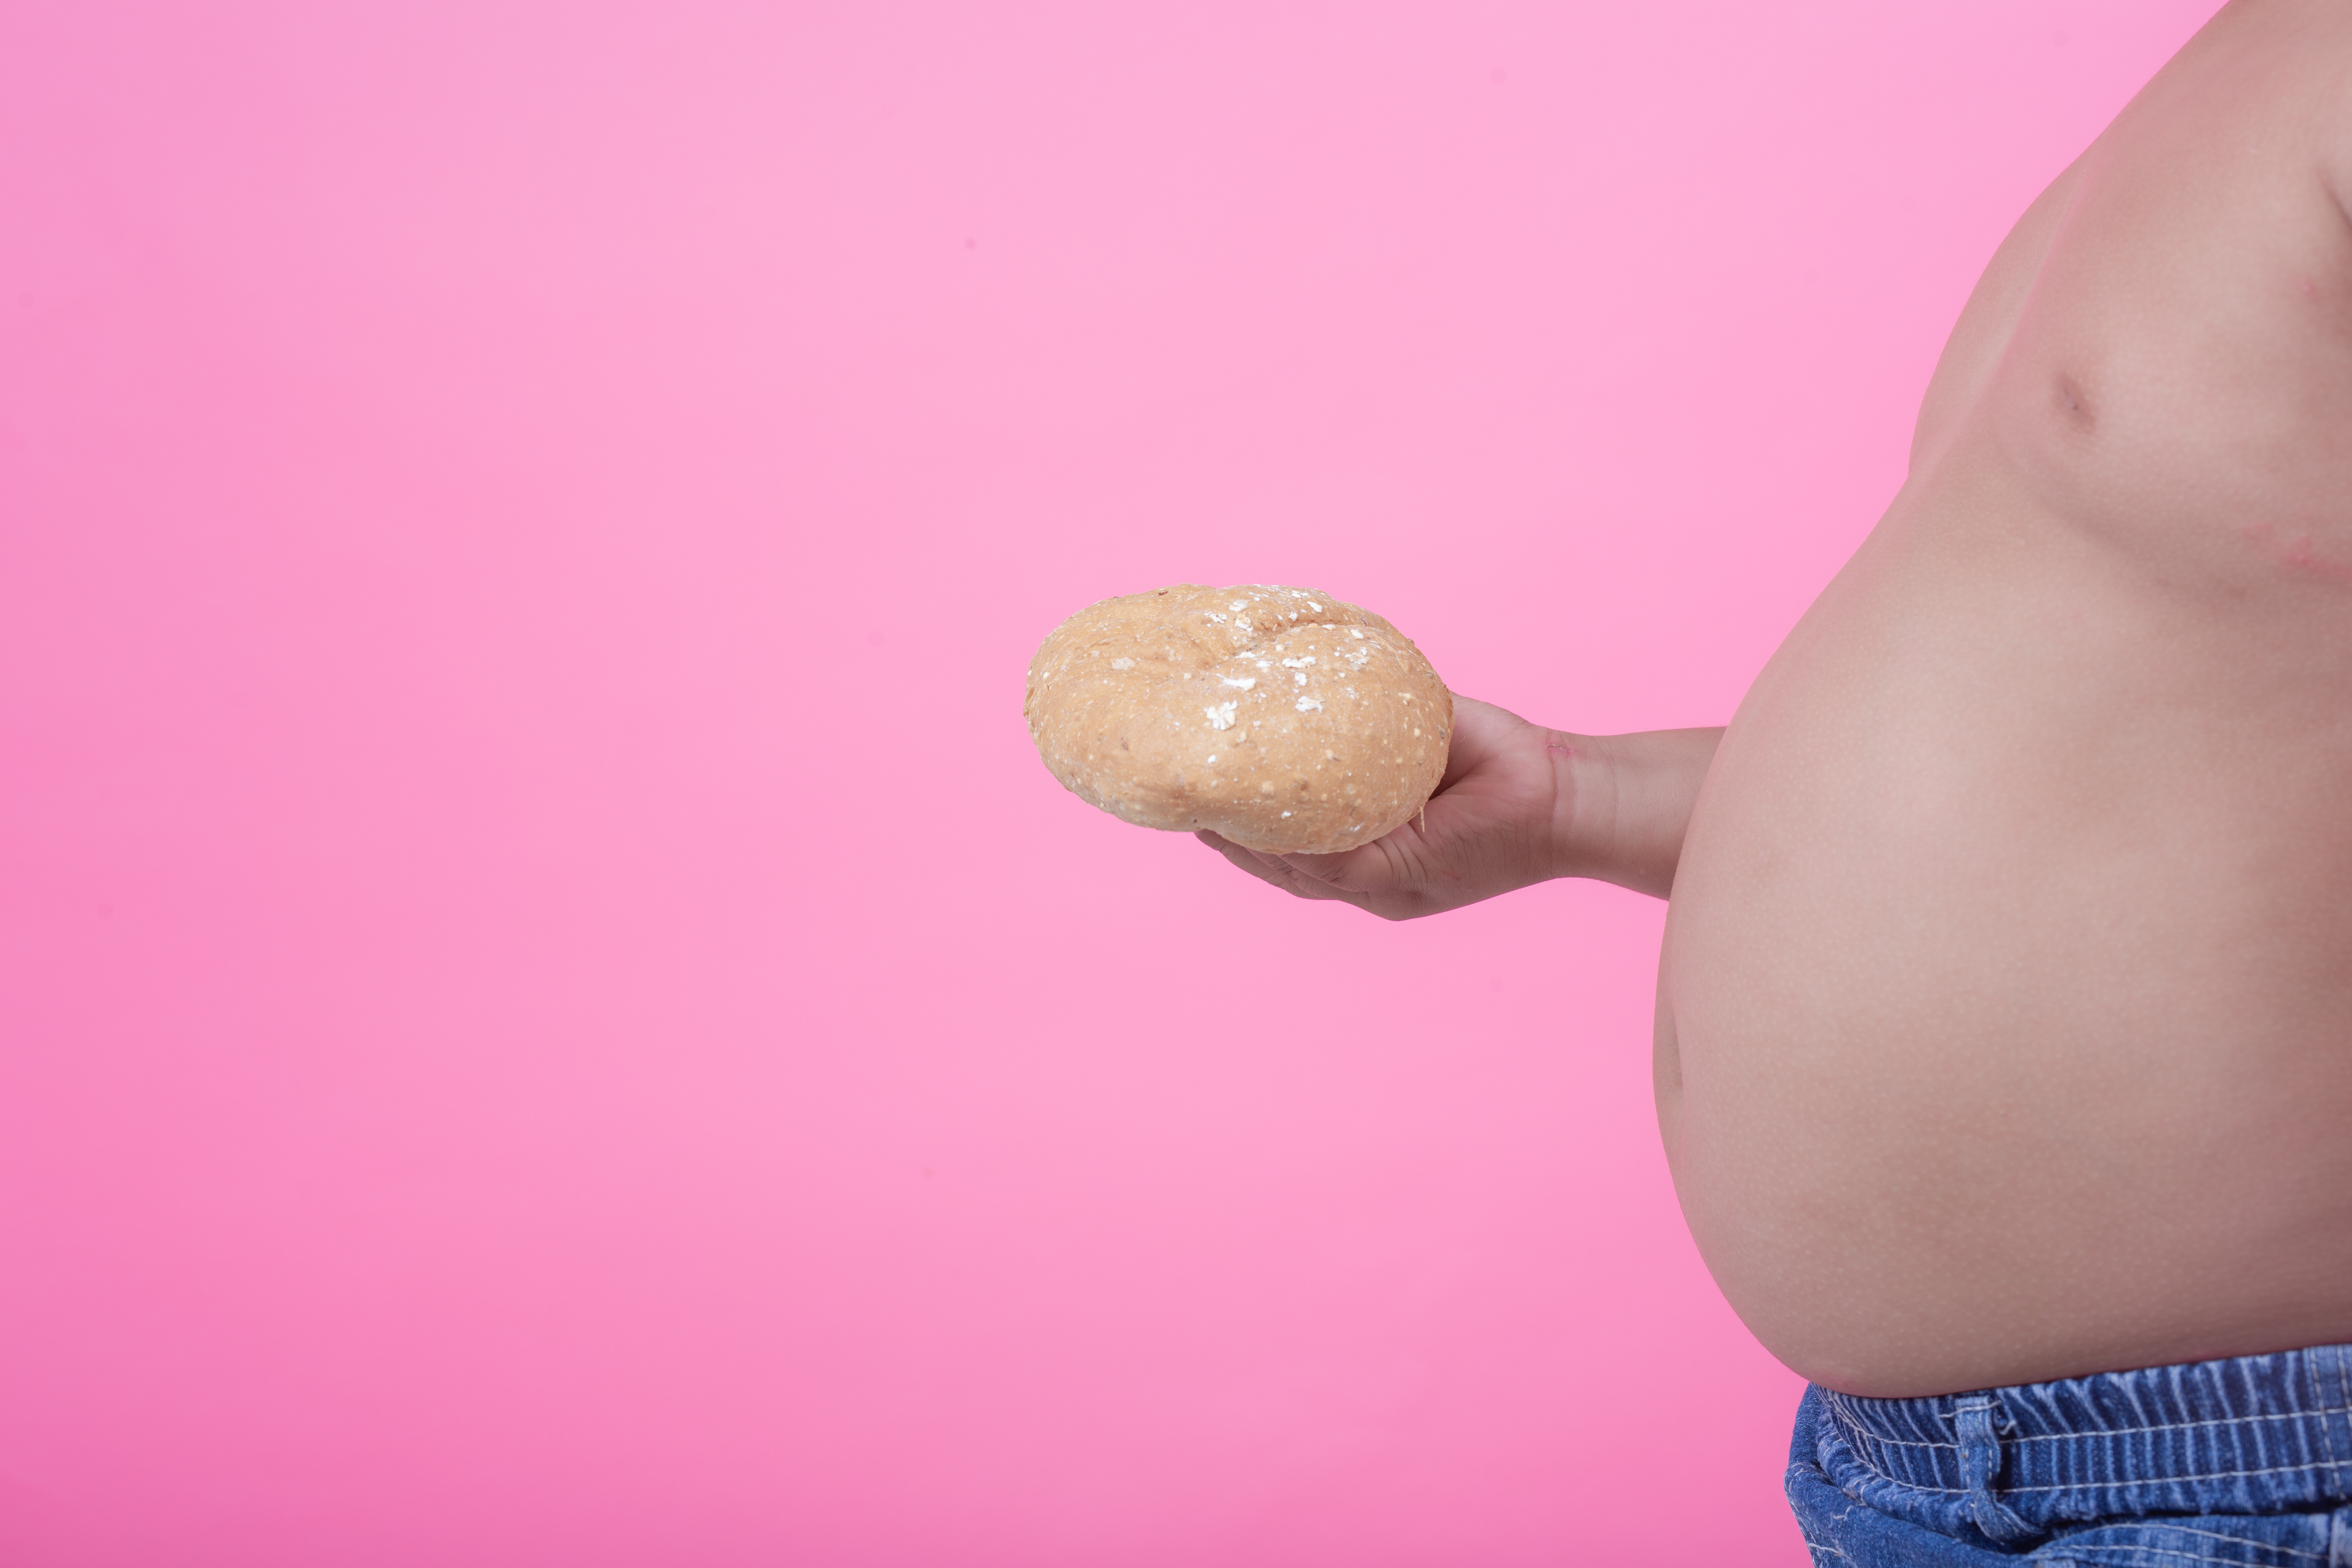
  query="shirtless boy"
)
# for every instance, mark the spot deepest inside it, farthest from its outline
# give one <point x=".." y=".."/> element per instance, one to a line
<point x="2004" y="1028"/>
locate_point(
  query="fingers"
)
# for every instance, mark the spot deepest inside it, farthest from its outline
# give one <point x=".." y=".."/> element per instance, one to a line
<point x="1284" y="871"/>
<point x="1475" y="838"/>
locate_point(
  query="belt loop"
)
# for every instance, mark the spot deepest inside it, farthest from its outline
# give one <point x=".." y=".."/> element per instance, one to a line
<point x="1980" y="1462"/>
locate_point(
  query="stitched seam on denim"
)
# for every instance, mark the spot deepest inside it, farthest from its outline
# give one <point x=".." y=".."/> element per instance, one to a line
<point x="2190" y="1557"/>
<point x="2102" y="1486"/>
<point x="2167" y="1554"/>
<point x="2125" y="1431"/>
<point x="2327" y="1428"/>
<point x="2305" y="1468"/>
<point x="2158" y="1523"/>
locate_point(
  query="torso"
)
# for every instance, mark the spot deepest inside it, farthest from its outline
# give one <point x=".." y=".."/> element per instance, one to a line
<point x="2006" y="1007"/>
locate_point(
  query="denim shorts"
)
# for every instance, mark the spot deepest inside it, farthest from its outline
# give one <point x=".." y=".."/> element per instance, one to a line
<point x="2242" y="1462"/>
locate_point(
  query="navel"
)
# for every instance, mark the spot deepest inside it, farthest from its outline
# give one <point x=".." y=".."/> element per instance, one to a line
<point x="2067" y="396"/>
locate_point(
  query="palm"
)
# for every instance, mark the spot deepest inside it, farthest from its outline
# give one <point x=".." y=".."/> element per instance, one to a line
<point x="1485" y="831"/>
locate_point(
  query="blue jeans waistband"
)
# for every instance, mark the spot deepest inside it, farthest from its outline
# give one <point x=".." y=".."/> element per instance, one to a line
<point x="2261" y="1433"/>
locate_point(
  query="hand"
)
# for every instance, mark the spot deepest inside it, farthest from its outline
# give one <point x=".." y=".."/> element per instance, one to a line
<point x="1495" y="824"/>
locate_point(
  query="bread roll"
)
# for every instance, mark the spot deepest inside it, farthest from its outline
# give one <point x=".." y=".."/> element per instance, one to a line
<point x="1280" y="718"/>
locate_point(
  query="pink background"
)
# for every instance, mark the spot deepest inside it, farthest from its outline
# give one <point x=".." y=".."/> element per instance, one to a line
<point x="551" y="1015"/>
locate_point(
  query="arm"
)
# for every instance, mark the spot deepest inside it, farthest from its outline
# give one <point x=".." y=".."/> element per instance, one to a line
<point x="1518" y="804"/>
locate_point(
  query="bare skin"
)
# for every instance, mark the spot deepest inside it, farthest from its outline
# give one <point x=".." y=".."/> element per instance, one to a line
<point x="2005" y="1015"/>
<point x="1518" y="804"/>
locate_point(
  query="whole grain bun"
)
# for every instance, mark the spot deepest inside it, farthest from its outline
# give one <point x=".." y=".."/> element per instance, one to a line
<point x="1280" y="718"/>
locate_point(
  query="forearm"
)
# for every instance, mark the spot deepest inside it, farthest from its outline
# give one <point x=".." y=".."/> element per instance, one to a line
<point x="1624" y="802"/>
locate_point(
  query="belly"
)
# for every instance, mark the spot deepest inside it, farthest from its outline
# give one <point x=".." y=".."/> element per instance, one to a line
<point x="2006" y="1006"/>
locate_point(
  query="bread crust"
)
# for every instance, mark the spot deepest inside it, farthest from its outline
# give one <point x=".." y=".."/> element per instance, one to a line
<point x="1282" y="718"/>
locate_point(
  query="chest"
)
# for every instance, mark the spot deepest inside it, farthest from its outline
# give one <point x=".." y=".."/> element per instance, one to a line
<point x="2177" y="376"/>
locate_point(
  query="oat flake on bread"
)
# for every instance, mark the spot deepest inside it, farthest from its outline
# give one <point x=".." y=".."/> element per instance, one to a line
<point x="1281" y="718"/>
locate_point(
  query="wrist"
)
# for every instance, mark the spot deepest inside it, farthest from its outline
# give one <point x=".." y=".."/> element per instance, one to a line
<point x="1623" y="802"/>
<point x="1584" y="793"/>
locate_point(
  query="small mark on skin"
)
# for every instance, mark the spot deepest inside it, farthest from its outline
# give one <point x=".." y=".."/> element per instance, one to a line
<point x="2068" y="397"/>
<point x="2297" y="553"/>
<point x="2300" y="555"/>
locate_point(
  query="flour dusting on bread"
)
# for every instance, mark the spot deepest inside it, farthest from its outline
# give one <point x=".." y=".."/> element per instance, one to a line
<point x="1172" y="710"/>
